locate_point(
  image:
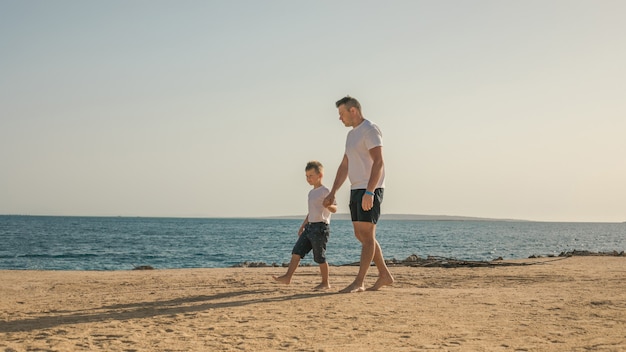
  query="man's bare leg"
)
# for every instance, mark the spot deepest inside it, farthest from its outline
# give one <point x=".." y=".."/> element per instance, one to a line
<point x="293" y="265"/>
<point x="384" y="275"/>
<point x="364" y="232"/>
<point x="324" y="271"/>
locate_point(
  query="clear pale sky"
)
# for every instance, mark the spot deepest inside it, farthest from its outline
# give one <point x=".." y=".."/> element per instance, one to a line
<point x="501" y="109"/>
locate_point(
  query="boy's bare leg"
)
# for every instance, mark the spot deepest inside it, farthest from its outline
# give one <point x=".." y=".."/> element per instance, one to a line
<point x="384" y="275"/>
<point x="293" y="265"/>
<point x="364" y="232"/>
<point x="325" y="285"/>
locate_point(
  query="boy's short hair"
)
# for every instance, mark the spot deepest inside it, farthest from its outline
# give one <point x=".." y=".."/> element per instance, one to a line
<point x="349" y="102"/>
<point x="314" y="165"/>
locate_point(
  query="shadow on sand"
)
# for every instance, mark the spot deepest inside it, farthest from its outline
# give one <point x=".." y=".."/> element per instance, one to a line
<point x="143" y="310"/>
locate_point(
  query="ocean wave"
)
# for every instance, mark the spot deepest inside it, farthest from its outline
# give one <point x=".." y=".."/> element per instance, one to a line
<point x="55" y="256"/>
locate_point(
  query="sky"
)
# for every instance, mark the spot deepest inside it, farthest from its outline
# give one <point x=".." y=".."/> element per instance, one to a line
<point x="498" y="109"/>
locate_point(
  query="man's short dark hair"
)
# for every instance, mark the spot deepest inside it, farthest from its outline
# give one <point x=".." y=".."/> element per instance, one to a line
<point x="349" y="102"/>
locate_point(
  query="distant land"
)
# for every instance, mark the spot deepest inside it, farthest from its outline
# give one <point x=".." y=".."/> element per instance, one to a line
<point x="345" y="216"/>
<point x="340" y="216"/>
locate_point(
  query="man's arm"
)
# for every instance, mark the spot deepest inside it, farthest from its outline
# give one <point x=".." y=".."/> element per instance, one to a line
<point x="377" y="168"/>
<point x="340" y="178"/>
<point x="376" y="153"/>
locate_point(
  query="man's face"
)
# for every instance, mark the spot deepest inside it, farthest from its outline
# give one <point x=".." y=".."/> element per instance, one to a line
<point x="346" y="116"/>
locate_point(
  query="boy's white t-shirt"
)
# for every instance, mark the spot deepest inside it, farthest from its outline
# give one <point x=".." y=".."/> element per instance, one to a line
<point x="359" y="141"/>
<point x="317" y="211"/>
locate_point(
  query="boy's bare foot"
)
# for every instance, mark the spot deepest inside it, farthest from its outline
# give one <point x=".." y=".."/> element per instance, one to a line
<point x="283" y="279"/>
<point x="353" y="288"/>
<point x="321" y="287"/>
<point x="382" y="281"/>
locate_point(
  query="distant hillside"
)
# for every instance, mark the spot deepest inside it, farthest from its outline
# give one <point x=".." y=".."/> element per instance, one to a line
<point x="407" y="217"/>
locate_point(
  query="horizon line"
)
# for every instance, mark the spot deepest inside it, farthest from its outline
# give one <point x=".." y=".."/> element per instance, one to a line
<point x="337" y="216"/>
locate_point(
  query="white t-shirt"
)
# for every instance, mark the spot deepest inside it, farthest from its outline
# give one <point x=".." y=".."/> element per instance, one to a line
<point x="360" y="140"/>
<point x="317" y="211"/>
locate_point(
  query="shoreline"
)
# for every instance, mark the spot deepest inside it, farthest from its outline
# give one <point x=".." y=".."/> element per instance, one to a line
<point x="411" y="261"/>
<point x="551" y="305"/>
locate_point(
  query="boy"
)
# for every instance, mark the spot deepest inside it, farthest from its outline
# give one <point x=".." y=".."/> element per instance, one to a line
<point x="315" y="230"/>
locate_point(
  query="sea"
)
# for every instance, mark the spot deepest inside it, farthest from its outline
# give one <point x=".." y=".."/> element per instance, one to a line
<point x="124" y="243"/>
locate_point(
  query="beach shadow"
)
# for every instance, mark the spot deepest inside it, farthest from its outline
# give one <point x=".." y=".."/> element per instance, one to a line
<point x="149" y="309"/>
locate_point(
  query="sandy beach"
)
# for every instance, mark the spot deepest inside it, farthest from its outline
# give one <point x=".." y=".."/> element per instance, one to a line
<point x="556" y="304"/>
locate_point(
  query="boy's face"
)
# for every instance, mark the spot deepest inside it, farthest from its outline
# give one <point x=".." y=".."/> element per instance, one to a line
<point x="312" y="177"/>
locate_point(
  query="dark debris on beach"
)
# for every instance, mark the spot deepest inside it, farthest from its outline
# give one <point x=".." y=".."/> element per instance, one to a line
<point x="247" y="264"/>
<point x="589" y="253"/>
<point x="442" y="262"/>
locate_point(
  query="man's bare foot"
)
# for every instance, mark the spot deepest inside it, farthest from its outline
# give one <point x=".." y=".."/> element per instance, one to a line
<point x="283" y="279"/>
<point x="382" y="281"/>
<point x="353" y="288"/>
<point x="321" y="287"/>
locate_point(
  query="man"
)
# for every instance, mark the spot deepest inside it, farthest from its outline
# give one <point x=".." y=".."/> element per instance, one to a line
<point x="363" y="164"/>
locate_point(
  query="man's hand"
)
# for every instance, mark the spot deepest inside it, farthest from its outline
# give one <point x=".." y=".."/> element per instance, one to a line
<point x="367" y="202"/>
<point x="329" y="200"/>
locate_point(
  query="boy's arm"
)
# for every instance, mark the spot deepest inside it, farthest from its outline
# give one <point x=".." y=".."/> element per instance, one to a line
<point x="306" y="221"/>
<point x="332" y="208"/>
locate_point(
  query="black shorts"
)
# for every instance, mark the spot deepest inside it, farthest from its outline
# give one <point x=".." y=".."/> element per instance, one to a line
<point x="356" y="209"/>
<point x="315" y="236"/>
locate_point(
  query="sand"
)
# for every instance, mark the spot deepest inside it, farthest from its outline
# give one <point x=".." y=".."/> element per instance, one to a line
<point x="559" y="304"/>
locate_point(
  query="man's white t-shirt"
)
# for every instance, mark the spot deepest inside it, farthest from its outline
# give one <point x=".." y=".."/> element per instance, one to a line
<point x="317" y="211"/>
<point x="360" y="140"/>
